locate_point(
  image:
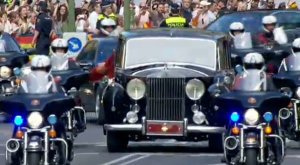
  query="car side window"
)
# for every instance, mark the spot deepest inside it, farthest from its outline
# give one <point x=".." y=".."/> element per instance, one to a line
<point x="11" y="44"/>
<point x="88" y="52"/>
<point x="288" y="19"/>
<point x="120" y="53"/>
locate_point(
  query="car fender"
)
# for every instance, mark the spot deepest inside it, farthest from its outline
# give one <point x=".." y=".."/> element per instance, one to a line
<point x="113" y="96"/>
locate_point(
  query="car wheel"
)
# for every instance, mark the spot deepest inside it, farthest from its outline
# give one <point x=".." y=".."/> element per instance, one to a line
<point x="99" y="109"/>
<point x="215" y="142"/>
<point x="116" y="141"/>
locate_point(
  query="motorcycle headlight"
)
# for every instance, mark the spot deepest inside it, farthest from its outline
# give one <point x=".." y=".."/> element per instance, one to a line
<point x="195" y="89"/>
<point x="251" y="116"/>
<point x="35" y="120"/>
<point x="136" y="89"/>
<point x="298" y="92"/>
<point x="5" y="72"/>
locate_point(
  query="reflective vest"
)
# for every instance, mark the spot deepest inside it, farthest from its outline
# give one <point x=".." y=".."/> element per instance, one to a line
<point x="176" y="22"/>
<point x="111" y="16"/>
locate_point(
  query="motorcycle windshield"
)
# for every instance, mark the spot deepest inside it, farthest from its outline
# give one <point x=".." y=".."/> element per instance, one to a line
<point x="292" y="63"/>
<point x="38" y="82"/>
<point x="59" y="63"/>
<point x="243" y="41"/>
<point x="250" y="80"/>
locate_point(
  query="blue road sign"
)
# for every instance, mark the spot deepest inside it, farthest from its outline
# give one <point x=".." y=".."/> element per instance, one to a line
<point x="75" y="45"/>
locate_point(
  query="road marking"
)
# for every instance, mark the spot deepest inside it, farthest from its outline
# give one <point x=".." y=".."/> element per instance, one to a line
<point x="86" y="153"/>
<point x="135" y="160"/>
<point x="119" y="159"/>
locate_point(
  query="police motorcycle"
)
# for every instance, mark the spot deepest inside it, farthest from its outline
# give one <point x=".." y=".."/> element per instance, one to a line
<point x="252" y="106"/>
<point x="9" y="61"/>
<point x="71" y="77"/>
<point x="39" y="136"/>
<point x="288" y="81"/>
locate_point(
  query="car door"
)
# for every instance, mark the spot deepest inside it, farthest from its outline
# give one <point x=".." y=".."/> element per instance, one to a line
<point x="86" y="57"/>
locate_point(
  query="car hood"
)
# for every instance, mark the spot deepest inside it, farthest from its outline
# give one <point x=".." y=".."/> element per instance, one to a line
<point x="170" y="72"/>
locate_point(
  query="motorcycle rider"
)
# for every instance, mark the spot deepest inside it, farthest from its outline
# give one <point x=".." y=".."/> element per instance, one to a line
<point x="236" y="29"/>
<point x="59" y="48"/>
<point x="108" y="26"/>
<point x="269" y="26"/>
<point x="253" y="61"/>
<point x="295" y="52"/>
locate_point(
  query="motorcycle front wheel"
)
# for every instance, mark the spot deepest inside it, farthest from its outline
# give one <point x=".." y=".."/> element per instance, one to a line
<point x="251" y="157"/>
<point x="33" y="158"/>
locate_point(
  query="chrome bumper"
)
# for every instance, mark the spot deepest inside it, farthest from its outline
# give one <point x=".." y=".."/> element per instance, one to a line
<point x="187" y="128"/>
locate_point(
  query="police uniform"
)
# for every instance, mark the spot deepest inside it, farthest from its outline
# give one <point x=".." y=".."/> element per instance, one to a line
<point x="104" y="16"/>
<point x="44" y="27"/>
<point x="175" y="21"/>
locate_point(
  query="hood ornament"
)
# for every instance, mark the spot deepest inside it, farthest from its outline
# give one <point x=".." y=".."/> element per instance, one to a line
<point x="166" y="66"/>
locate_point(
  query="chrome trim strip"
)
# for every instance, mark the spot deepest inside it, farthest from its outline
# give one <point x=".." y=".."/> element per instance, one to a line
<point x="189" y="129"/>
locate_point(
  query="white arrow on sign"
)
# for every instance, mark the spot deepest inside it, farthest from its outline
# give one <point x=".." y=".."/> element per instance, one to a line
<point x="75" y="46"/>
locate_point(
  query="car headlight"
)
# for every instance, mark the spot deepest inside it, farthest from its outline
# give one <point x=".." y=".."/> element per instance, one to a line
<point x="136" y="89"/>
<point x="251" y="116"/>
<point x="298" y="92"/>
<point x="35" y="120"/>
<point x="195" y="89"/>
<point x="5" y="72"/>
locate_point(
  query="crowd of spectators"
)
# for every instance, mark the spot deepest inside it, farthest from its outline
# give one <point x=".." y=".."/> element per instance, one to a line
<point x="18" y="17"/>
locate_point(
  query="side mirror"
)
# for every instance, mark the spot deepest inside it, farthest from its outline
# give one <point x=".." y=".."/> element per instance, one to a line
<point x="239" y="69"/>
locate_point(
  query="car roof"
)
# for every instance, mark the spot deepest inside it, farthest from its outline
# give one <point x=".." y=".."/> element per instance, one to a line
<point x="172" y="32"/>
<point x="262" y="11"/>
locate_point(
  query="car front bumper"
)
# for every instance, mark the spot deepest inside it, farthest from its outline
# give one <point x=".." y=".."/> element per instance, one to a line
<point x="182" y="126"/>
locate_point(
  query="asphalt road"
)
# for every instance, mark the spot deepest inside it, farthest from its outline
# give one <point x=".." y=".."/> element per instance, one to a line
<point x="90" y="148"/>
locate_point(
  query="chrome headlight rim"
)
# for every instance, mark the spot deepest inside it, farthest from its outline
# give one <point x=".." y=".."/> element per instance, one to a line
<point x="194" y="83"/>
<point x="298" y="93"/>
<point x="7" y="75"/>
<point x="251" y="116"/>
<point x="142" y="89"/>
<point x="35" y="120"/>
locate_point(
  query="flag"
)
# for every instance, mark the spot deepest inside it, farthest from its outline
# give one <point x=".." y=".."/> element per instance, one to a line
<point x="25" y="41"/>
<point x="293" y="6"/>
<point x="147" y="25"/>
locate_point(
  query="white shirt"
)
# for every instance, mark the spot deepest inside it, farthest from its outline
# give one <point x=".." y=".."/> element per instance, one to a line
<point x="93" y="18"/>
<point x="80" y="25"/>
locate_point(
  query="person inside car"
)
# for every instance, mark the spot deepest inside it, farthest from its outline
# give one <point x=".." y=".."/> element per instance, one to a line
<point x="236" y="29"/>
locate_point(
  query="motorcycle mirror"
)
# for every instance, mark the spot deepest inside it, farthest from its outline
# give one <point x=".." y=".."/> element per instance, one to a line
<point x="17" y="71"/>
<point x="238" y="68"/>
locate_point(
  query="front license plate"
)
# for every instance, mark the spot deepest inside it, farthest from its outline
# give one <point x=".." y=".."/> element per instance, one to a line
<point x="164" y="128"/>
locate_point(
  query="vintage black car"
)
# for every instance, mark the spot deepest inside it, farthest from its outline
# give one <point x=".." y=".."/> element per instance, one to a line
<point x="161" y="86"/>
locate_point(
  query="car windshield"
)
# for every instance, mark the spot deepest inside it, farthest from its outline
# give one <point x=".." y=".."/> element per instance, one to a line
<point x="10" y="44"/>
<point x="292" y="63"/>
<point x="191" y="51"/>
<point x="106" y="48"/>
<point x="38" y="82"/>
<point x="250" y="80"/>
<point x="59" y="63"/>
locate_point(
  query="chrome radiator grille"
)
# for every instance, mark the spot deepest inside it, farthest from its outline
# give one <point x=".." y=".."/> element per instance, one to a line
<point x="165" y="99"/>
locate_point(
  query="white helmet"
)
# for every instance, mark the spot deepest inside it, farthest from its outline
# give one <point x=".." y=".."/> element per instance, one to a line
<point x="296" y="46"/>
<point x="40" y="62"/>
<point x="268" y="20"/>
<point x="236" y="27"/>
<point x="107" y="23"/>
<point x="59" y="43"/>
<point x="254" y="61"/>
